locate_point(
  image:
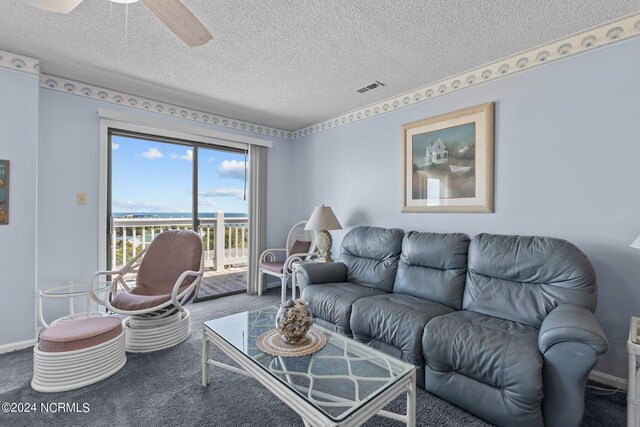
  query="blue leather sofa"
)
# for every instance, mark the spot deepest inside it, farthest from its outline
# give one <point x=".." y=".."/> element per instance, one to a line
<point x="501" y="326"/>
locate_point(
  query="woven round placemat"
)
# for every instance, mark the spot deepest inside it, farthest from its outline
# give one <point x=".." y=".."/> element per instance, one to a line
<point x="271" y="343"/>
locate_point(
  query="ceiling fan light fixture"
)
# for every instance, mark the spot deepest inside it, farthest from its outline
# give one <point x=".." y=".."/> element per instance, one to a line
<point x="172" y="13"/>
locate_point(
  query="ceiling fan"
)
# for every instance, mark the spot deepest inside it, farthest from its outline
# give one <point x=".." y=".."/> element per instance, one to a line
<point x="171" y="12"/>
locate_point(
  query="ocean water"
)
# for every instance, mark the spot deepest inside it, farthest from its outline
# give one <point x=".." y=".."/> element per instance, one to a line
<point x="177" y="214"/>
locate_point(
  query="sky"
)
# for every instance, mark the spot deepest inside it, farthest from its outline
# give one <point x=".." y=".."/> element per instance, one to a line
<point x="153" y="177"/>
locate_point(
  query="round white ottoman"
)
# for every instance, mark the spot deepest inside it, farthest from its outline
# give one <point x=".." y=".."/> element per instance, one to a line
<point x="74" y="354"/>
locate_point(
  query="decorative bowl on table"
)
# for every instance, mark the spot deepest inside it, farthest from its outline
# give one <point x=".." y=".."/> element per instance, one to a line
<point x="293" y="321"/>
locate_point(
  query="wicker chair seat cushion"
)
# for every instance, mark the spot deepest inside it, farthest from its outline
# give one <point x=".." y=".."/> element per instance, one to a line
<point x="134" y="301"/>
<point x="275" y="267"/>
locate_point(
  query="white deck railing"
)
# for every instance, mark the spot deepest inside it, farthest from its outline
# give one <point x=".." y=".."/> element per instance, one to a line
<point x="220" y="249"/>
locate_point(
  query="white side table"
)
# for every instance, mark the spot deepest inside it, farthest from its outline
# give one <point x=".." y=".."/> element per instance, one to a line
<point x="633" y="348"/>
<point x="70" y="291"/>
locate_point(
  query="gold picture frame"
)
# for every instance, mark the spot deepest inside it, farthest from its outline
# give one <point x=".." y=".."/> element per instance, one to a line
<point x="447" y="162"/>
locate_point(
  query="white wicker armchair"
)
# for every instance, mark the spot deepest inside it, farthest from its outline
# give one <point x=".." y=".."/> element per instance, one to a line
<point x="301" y="245"/>
<point x="167" y="277"/>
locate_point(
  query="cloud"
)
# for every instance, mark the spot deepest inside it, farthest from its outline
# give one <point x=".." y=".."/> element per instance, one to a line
<point x="114" y="146"/>
<point x="205" y="202"/>
<point x="223" y="192"/>
<point x="231" y="169"/>
<point x="152" y="153"/>
<point x="188" y="155"/>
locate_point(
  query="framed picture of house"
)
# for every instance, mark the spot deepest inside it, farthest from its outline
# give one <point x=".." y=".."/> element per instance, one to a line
<point x="4" y="192"/>
<point x="448" y="162"/>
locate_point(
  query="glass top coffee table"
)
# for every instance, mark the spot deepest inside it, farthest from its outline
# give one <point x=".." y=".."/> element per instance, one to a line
<point x="343" y="384"/>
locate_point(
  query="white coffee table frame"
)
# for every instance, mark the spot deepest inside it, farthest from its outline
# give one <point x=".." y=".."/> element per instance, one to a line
<point x="310" y="415"/>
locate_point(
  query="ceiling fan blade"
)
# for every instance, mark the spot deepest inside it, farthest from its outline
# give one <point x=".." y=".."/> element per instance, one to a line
<point x="179" y="20"/>
<point x="58" y="6"/>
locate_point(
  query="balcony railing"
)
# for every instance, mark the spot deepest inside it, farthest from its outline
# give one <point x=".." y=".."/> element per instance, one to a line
<point x="230" y="247"/>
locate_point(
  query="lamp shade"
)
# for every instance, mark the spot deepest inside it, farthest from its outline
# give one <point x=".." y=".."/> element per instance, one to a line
<point x="323" y="218"/>
<point x="636" y="243"/>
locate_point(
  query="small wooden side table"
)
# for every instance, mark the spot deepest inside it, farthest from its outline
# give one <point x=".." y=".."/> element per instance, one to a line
<point x="633" y="348"/>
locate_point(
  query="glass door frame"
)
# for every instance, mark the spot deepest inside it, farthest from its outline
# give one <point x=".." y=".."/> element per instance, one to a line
<point x="194" y="145"/>
<point x="156" y="124"/>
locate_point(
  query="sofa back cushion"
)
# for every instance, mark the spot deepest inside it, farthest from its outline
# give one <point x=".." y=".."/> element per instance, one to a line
<point x="433" y="266"/>
<point x="524" y="278"/>
<point x="371" y="255"/>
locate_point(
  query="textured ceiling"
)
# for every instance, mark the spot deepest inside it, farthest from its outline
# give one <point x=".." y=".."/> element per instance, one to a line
<point x="289" y="64"/>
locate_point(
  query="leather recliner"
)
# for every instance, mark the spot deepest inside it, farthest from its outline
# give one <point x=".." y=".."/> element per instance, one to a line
<point x="502" y="326"/>
<point x="394" y="322"/>
<point x="369" y="263"/>
<point x="521" y="349"/>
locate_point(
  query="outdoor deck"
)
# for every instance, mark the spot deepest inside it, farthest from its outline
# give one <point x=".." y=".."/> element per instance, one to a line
<point x="231" y="280"/>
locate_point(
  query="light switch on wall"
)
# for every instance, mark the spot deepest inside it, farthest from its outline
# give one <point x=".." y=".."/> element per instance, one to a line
<point x="81" y="198"/>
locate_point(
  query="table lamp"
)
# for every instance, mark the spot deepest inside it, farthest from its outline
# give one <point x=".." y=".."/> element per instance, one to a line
<point x="636" y="243"/>
<point x="321" y="220"/>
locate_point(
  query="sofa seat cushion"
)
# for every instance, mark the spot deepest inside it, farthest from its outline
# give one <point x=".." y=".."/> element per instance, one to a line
<point x="397" y="320"/>
<point x="332" y="302"/>
<point x="80" y="333"/>
<point x="499" y="353"/>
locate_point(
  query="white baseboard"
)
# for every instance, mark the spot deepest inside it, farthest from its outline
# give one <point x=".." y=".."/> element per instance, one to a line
<point x="6" y="348"/>
<point x="610" y="380"/>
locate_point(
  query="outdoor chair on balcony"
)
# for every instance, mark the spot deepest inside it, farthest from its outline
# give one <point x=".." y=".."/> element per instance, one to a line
<point x="301" y="246"/>
<point x="167" y="276"/>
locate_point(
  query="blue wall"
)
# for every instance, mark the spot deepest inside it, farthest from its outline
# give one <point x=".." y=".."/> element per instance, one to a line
<point x="567" y="150"/>
<point x="52" y="140"/>
<point x="69" y="160"/>
<point x="19" y="144"/>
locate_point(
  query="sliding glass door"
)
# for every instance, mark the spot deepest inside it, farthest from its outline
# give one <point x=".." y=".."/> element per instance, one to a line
<point x="157" y="184"/>
<point x="150" y="192"/>
<point x="223" y="219"/>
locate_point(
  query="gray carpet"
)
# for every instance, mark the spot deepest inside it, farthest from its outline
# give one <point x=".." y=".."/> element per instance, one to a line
<point x="164" y="388"/>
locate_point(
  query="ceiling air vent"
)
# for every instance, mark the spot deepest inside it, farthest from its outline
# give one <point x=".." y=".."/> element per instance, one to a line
<point x="372" y="86"/>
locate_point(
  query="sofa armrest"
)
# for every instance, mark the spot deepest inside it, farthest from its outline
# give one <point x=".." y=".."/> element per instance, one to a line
<point x="571" y="323"/>
<point x="314" y="273"/>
